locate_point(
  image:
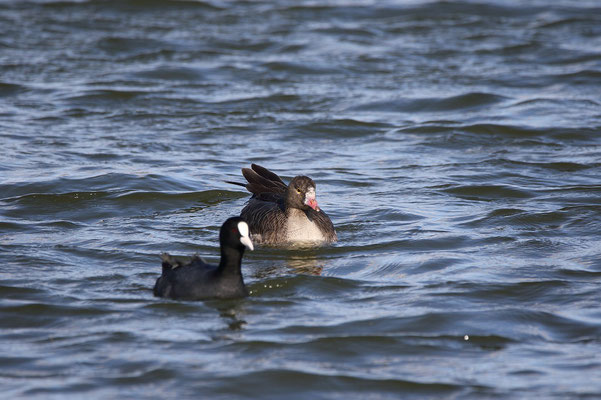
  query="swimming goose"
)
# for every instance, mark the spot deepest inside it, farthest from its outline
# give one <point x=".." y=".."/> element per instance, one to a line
<point x="284" y="214"/>
<point x="197" y="280"/>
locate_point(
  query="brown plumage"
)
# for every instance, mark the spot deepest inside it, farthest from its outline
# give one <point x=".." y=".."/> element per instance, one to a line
<point x="284" y="214"/>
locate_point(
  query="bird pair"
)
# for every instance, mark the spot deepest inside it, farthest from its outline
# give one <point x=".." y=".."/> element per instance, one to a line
<point x="276" y="214"/>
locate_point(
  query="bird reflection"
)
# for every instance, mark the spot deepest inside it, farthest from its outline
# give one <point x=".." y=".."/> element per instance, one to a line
<point x="305" y="264"/>
<point x="231" y="311"/>
<point x="304" y="261"/>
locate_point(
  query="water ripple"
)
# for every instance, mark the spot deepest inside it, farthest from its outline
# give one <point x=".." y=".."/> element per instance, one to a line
<point x="465" y="101"/>
<point x="455" y="145"/>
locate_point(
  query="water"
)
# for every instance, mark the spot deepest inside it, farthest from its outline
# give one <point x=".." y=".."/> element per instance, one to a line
<point x="456" y="146"/>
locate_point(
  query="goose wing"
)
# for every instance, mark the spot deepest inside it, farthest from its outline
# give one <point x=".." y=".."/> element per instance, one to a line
<point x="262" y="181"/>
<point x="266" y="218"/>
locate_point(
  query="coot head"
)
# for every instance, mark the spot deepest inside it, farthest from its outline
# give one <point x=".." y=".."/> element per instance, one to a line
<point x="234" y="233"/>
<point x="301" y="193"/>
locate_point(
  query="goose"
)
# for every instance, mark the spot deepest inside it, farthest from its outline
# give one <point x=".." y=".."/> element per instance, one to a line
<point x="280" y="214"/>
<point x="197" y="280"/>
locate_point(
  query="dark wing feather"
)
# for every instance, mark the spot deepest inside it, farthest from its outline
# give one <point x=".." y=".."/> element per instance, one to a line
<point x="266" y="219"/>
<point x="267" y="174"/>
<point x="260" y="180"/>
<point x="236" y="183"/>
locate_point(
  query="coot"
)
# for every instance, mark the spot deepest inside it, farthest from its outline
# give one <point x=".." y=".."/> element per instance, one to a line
<point x="197" y="280"/>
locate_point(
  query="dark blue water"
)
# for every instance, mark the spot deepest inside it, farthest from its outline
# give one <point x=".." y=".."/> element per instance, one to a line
<point x="455" y="144"/>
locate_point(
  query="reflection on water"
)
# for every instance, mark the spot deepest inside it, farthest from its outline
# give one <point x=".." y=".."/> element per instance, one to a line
<point x="307" y="263"/>
<point x="296" y="259"/>
<point x="232" y="312"/>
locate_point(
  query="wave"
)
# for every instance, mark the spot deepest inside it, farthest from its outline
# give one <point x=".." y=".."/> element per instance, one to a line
<point x="467" y="101"/>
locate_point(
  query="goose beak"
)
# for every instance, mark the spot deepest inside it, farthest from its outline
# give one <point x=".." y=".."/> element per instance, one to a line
<point x="313" y="204"/>
<point x="310" y="199"/>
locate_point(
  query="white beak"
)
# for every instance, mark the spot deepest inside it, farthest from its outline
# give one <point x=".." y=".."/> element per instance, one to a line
<point x="244" y="238"/>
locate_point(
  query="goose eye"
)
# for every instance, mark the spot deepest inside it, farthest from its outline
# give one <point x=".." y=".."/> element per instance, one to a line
<point x="298" y="190"/>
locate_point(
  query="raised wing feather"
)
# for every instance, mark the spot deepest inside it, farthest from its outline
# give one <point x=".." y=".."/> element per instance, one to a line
<point x="267" y="174"/>
<point x="261" y="180"/>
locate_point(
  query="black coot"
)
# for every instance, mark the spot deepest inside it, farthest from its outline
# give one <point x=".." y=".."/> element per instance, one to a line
<point x="197" y="280"/>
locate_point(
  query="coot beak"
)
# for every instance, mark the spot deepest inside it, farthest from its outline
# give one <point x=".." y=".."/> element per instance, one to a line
<point x="244" y="238"/>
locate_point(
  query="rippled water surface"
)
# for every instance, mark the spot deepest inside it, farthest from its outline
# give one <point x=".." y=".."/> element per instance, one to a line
<point x="455" y="144"/>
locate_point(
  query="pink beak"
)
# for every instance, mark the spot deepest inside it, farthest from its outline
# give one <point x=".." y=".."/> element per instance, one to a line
<point x="313" y="204"/>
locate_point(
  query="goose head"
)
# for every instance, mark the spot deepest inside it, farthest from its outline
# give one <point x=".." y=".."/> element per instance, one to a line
<point x="301" y="193"/>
